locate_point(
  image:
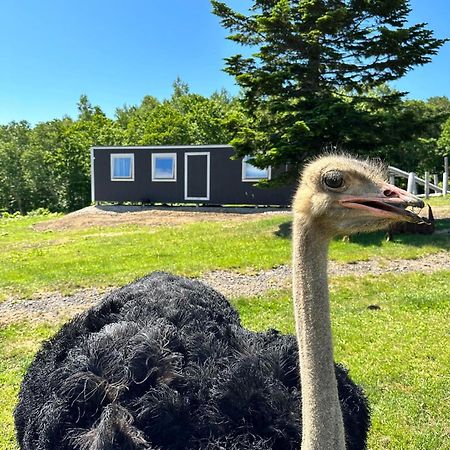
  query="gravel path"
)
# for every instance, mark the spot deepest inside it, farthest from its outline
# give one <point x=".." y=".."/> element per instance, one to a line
<point x="55" y="307"/>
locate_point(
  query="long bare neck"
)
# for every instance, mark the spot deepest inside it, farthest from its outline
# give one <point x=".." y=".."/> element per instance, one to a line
<point x="323" y="427"/>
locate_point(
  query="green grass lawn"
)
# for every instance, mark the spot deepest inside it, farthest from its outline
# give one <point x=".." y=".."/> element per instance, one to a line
<point x="438" y="200"/>
<point x="399" y="353"/>
<point x="18" y="344"/>
<point x="34" y="261"/>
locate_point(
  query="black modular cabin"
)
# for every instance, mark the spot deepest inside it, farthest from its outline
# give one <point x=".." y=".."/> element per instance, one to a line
<point x="200" y="174"/>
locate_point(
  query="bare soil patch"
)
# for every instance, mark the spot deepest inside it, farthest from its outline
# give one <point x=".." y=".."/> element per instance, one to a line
<point x="98" y="216"/>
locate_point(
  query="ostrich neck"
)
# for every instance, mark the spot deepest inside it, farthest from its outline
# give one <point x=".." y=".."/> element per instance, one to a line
<point x="323" y="427"/>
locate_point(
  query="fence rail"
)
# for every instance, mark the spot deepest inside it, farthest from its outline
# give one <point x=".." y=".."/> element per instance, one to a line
<point x="414" y="180"/>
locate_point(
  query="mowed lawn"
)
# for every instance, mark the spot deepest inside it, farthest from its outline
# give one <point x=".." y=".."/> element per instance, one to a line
<point x="65" y="260"/>
<point x="398" y="351"/>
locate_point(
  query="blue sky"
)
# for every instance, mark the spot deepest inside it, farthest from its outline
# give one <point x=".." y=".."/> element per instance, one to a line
<point x="116" y="52"/>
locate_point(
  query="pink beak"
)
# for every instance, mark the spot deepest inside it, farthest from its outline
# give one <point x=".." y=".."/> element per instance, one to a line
<point x="390" y="203"/>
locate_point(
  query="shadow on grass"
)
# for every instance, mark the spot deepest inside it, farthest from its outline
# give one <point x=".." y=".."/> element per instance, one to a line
<point x="378" y="238"/>
<point x="442" y="224"/>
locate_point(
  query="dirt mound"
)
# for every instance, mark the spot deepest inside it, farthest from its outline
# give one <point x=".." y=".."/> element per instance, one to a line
<point x="116" y="215"/>
<point x="97" y="216"/>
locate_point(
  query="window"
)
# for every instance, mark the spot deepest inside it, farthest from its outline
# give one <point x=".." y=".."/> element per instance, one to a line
<point x="122" y="167"/>
<point x="252" y="173"/>
<point x="164" y="167"/>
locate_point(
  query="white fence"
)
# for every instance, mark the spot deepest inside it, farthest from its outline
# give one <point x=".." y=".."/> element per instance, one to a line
<point x="427" y="183"/>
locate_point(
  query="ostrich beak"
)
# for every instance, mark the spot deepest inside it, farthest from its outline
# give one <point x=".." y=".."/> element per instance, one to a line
<point x="390" y="203"/>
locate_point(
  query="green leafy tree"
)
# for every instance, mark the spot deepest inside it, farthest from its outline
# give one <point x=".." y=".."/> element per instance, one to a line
<point x="71" y="157"/>
<point x="185" y="118"/>
<point x="44" y="170"/>
<point x="444" y="138"/>
<point x="419" y="150"/>
<point x="205" y="117"/>
<point x="124" y="114"/>
<point x="160" y="124"/>
<point x="307" y="86"/>
<point x="417" y="126"/>
<point x="14" y="189"/>
<point x="60" y="158"/>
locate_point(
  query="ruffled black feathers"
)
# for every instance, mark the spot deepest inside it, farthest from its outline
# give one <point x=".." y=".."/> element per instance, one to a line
<point x="164" y="363"/>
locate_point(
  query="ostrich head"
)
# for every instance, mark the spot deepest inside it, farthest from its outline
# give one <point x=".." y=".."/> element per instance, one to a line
<point x="343" y="195"/>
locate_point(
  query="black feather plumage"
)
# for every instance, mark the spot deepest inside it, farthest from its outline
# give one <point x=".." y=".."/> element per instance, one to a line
<point x="164" y="363"/>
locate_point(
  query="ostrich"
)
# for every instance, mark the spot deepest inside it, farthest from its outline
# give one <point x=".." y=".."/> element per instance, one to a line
<point x="164" y="363"/>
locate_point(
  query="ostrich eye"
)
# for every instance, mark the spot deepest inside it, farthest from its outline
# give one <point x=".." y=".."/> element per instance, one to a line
<point x="333" y="179"/>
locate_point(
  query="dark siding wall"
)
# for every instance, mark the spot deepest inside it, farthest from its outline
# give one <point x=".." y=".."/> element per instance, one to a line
<point x="142" y="189"/>
<point x="226" y="185"/>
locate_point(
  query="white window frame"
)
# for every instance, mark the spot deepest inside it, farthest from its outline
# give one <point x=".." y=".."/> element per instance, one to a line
<point x="253" y="180"/>
<point x="164" y="155"/>
<point x="122" y="155"/>
<point x="208" y="171"/>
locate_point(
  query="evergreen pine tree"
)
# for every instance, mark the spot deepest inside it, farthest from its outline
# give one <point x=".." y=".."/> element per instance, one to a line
<point x="309" y="84"/>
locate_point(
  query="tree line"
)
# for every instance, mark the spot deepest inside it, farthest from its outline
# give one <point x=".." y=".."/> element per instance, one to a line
<point x="48" y="165"/>
<point x="315" y="75"/>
